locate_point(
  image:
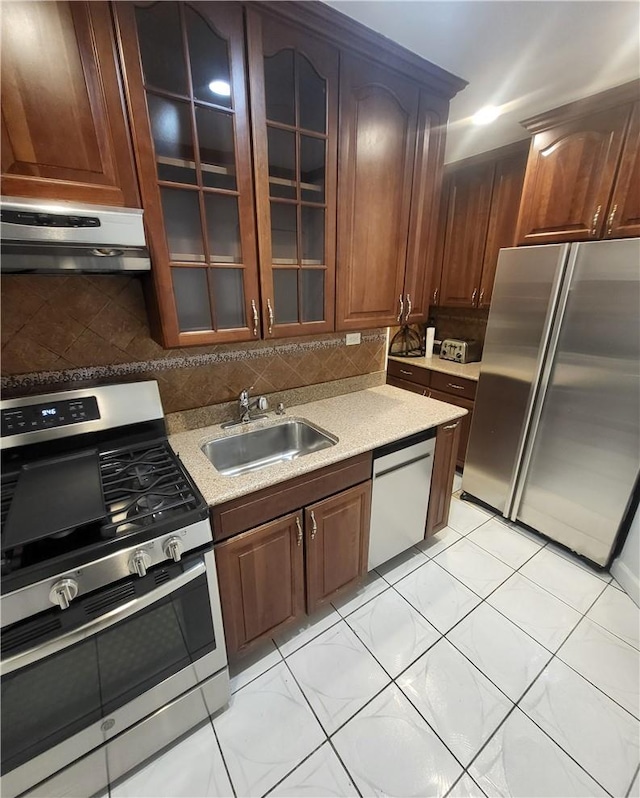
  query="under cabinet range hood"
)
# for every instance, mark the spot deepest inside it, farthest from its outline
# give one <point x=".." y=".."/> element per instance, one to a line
<point x="47" y="237"/>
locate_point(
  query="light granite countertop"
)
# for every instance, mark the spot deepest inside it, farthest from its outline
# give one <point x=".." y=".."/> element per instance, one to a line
<point x="470" y="371"/>
<point x="362" y="421"/>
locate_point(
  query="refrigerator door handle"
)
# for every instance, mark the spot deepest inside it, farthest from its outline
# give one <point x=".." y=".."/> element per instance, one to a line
<point x="543" y="378"/>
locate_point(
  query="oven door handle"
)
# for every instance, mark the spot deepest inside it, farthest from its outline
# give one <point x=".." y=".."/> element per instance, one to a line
<point x="32" y="655"/>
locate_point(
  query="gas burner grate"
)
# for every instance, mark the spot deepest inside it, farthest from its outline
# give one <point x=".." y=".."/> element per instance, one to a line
<point x="142" y="486"/>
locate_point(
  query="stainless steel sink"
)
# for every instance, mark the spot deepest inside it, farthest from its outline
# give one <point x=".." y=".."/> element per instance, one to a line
<point x="259" y="448"/>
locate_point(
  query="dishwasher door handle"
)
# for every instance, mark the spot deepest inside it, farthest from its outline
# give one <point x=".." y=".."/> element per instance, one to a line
<point x="402" y="465"/>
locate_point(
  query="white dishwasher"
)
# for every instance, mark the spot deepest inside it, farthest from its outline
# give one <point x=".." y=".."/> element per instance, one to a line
<point x="401" y="486"/>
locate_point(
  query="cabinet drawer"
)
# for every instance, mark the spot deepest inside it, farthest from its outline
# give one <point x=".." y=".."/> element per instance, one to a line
<point x="408" y="386"/>
<point x="402" y="371"/>
<point x="456" y="386"/>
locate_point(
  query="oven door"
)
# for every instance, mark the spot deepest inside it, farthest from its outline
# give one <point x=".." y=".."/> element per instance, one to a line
<point x="148" y="641"/>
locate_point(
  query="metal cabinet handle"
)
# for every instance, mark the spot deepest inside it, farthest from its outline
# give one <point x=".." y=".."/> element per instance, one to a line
<point x="435" y="297"/>
<point x="270" y="312"/>
<point x="612" y="216"/>
<point x="424" y="393"/>
<point x="473" y="296"/>
<point x="409" y="306"/>
<point x="256" y="319"/>
<point x="314" y="525"/>
<point x="594" y="223"/>
<point x="408" y="373"/>
<point x="457" y="387"/>
<point x="451" y="426"/>
<point x="401" y="314"/>
<point x="481" y="297"/>
<point x="299" y="535"/>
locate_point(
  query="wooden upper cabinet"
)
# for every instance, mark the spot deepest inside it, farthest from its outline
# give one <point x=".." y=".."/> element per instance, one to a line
<point x="465" y="233"/>
<point x="623" y="219"/>
<point x="575" y="154"/>
<point x="378" y="125"/>
<point x="337" y="539"/>
<point x="294" y="103"/>
<point x="64" y="131"/>
<point x="186" y="82"/>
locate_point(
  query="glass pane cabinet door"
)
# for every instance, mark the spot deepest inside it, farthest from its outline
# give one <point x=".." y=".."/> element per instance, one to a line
<point x="294" y="82"/>
<point x="187" y="84"/>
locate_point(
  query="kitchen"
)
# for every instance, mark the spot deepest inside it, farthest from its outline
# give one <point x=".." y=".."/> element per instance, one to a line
<point x="291" y="216"/>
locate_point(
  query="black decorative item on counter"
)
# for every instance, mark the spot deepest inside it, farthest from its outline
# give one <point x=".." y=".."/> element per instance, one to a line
<point x="407" y="342"/>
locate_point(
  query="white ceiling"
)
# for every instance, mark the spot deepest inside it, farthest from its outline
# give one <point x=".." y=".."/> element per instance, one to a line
<point x="527" y="56"/>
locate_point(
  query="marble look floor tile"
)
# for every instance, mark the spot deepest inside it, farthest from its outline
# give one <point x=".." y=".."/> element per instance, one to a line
<point x="563" y="578"/>
<point x="606" y="661"/>
<point x="521" y="761"/>
<point x="464" y="517"/>
<point x="457" y="482"/>
<point x="634" y="790"/>
<point x="591" y="728"/>
<point x="389" y="750"/>
<point x="569" y="556"/>
<point x="193" y="766"/>
<point x="337" y="675"/>
<point x="439" y="542"/>
<point x="267" y="731"/>
<point x="254" y="664"/>
<point x="504" y="653"/>
<point x="311" y="627"/>
<point x="617" y="613"/>
<point x="372" y="586"/>
<point x="320" y="776"/>
<point x="474" y="567"/>
<point x="394" y="632"/>
<point x="540" y="614"/>
<point x="455" y="698"/>
<point x="440" y="597"/>
<point x="466" y="787"/>
<point x="505" y="542"/>
<point x="400" y="566"/>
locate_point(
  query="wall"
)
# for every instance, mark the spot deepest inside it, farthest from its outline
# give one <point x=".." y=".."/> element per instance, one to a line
<point x="460" y="323"/>
<point x="63" y="331"/>
<point x="626" y="567"/>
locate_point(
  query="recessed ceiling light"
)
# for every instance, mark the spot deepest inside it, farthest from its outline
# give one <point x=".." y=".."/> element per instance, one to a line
<point x="485" y="115"/>
<point x="220" y="87"/>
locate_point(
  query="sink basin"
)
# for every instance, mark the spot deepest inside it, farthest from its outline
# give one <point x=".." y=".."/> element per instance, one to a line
<point x="251" y="451"/>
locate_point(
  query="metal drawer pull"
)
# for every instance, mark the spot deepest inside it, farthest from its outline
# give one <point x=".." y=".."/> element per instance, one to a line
<point x="457" y="387"/>
<point x="473" y="296"/>
<point x="270" y="312"/>
<point x="435" y="297"/>
<point x="409" y="306"/>
<point x="594" y="223"/>
<point x="612" y="216"/>
<point x="451" y="426"/>
<point x="408" y="373"/>
<point x="481" y="297"/>
<point x="299" y="525"/>
<point x="400" y="315"/>
<point x="256" y="320"/>
<point x="314" y="525"/>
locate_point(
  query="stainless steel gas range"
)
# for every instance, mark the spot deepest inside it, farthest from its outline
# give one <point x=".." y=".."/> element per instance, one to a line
<point x="112" y="638"/>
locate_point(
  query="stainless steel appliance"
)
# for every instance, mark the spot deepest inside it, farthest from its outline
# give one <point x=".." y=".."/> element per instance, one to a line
<point x="460" y="351"/>
<point x="39" y="236"/>
<point x="555" y="436"/>
<point x="112" y="640"/>
<point x="400" y="498"/>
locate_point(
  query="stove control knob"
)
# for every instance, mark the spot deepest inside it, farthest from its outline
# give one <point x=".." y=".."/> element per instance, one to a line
<point x="173" y="548"/>
<point x="63" y="592"/>
<point x="139" y="563"/>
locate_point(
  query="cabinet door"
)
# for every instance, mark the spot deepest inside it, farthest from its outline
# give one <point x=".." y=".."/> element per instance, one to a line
<point x="467" y="219"/>
<point x="64" y="134"/>
<point x="378" y="121"/>
<point x="503" y="217"/>
<point x="569" y="178"/>
<point x="465" y="421"/>
<point x="444" y="467"/>
<point x="337" y="535"/>
<point x="423" y="226"/>
<point x="261" y="579"/>
<point x="624" y="211"/>
<point x="294" y="104"/>
<point x="185" y="77"/>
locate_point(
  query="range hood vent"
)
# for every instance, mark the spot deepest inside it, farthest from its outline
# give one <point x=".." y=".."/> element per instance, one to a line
<point x="53" y="237"/>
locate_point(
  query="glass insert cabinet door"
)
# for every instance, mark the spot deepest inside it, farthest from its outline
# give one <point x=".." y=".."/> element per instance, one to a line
<point x="186" y="79"/>
<point x="294" y="95"/>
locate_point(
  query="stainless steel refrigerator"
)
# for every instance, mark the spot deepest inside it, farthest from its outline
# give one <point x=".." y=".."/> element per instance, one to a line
<point x="555" y="436"/>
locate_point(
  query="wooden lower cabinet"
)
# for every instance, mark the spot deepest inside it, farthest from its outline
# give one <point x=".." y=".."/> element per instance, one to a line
<point x="337" y="539"/>
<point x="261" y="578"/>
<point x="444" y="466"/>
<point x="263" y="572"/>
<point x="465" y="422"/>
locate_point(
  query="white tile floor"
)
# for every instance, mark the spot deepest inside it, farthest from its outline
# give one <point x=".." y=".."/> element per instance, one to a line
<point x="484" y="662"/>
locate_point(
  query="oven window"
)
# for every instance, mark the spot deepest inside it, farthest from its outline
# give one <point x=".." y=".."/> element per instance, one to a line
<point x="49" y="701"/>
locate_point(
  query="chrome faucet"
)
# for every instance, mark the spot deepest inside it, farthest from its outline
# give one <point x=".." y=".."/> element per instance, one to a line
<point x="246" y="404"/>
